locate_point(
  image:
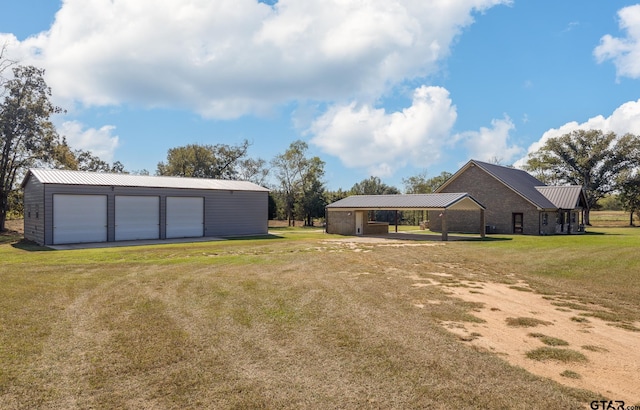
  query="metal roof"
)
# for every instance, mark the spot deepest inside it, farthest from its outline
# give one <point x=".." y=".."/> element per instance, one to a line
<point x="458" y="201"/>
<point x="66" y="177"/>
<point x="563" y="197"/>
<point x="519" y="181"/>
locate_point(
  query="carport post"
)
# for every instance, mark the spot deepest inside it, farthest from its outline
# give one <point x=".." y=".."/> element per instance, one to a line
<point x="445" y="232"/>
<point x="482" y="224"/>
<point x="396" y="221"/>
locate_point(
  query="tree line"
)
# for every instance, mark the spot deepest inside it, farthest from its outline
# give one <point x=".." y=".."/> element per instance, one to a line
<point x="603" y="163"/>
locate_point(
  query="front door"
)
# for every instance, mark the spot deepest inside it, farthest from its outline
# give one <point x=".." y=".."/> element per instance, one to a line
<point x="359" y="223"/>
<point x="518" y="225"/>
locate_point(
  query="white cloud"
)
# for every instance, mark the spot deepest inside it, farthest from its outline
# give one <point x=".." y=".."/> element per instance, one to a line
<point x="625" y="52"/>
<point x="491" y="143"/>
<point x="625" y="119"/>
<point x="227" y="58"/>
<point x="101" y="142"/>
<point x="366" y="137"/>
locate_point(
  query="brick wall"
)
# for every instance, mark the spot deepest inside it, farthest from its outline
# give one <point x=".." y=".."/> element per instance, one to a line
<point x="500" y="201"/>
<point x="341" y="222"/>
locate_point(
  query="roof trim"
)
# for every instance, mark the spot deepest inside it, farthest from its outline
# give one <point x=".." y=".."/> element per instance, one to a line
<point x="435" y="201"/>
<point x="68" y="177"/>
<point x="480" y="165"/>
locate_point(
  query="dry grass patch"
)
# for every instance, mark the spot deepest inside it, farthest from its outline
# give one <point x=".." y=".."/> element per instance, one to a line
<point x="580" y="319"/>
<point x="548" y="340"/>
<point x="626" y="326"/>
<point x="520" y="288"/>
<point x="556" y="354"/>
<point x="526" y="322"/>
<point x="570" y="374"/>
<point x="470" y="337"/>
<point x="290" y="322"/>
<point x="593" y="348"/>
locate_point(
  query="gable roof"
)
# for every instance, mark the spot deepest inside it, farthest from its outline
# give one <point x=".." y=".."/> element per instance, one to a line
<point x="523" y="184"/>
<point x="66" y="177"/>
<point x="564" y="197"/>
<point x="461" y="201"/>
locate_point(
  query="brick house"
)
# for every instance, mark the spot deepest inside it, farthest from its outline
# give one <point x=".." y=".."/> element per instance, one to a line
<point x="515" y="202"/>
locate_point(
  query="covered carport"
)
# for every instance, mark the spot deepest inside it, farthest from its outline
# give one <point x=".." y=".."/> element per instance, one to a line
<point x="346" y="216"/>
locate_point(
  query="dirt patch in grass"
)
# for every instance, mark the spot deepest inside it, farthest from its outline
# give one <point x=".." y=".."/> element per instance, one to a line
<point x="613" y="353"/>
<point x="15" y="225"/>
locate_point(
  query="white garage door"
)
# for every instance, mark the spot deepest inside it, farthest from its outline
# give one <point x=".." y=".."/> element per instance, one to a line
<point x="185" y="217"/>
<point x="137" y="217"/>
<point x="79" y="218"/>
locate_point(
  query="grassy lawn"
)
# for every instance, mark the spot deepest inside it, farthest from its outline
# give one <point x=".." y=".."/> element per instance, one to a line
<point x="294" y="320"/>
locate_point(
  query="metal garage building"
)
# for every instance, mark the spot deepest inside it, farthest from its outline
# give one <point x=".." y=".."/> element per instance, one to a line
<point x="74" y="207"/>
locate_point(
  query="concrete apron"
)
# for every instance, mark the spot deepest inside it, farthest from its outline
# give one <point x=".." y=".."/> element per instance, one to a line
<point x="97" y="245"/>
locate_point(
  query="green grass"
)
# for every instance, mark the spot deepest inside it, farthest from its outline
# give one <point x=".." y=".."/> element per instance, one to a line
<point x="291" y="320"/>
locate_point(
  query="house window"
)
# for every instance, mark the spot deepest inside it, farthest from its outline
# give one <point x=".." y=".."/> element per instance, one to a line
<point x="29" y="211"/>
<point x="573" y="217"/>
<point x="37" y="211"/>
<point x="545" y="219"/>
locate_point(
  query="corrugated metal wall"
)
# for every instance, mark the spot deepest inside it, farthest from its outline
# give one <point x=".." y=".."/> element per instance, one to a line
<point x="34" y="215"/>
<point x="227" y="213"/>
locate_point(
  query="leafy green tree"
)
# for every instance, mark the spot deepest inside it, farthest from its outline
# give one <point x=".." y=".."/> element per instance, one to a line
<point x="629" y="195"/>
<point x="204" y="161"/>
<point x="27" y="136"/>
<point x="374" y="186"/>
<point x="420" y="184"/>
<point x="333" y="196"/>
<point x="252" y="169"/>
<point x="610" y="202"/>
<point x="79" y="160"/>
<point x="589" y="158"/>
<point x="273" y="206"/>
<point x="312" y="202"/>
<point x="294" y="172"/>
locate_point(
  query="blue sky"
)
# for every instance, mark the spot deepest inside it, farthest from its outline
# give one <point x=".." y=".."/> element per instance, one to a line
<point x="390" y="88"/>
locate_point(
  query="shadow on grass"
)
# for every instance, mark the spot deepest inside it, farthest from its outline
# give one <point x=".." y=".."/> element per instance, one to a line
<point x="438" y="238"/>
<point x="27" y="245"/>
<point x="253" y="237"/>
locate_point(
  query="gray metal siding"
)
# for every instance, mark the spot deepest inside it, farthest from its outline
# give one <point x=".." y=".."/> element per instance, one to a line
<point x="227" y="213"/>
<point x="34" y="216"/>
<point x="231" y="213"/>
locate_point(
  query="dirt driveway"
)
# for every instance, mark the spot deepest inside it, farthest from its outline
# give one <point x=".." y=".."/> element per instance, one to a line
<point x="613" y="354"/>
